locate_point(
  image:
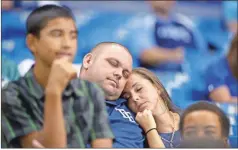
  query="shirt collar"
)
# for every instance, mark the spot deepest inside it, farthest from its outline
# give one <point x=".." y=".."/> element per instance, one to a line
<point x="116" y="102"/>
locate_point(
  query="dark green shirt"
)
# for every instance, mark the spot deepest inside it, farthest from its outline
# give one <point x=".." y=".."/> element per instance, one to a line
<point x="3" y="138"/>
<point x="83" y="105"/>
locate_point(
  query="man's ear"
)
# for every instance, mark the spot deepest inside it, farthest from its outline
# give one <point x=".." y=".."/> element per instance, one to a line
<point x="87" y="60"/>
<point x="30" y="42"/>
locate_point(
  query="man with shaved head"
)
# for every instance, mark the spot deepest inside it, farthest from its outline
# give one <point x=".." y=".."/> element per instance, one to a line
<point x="109" y="65"/>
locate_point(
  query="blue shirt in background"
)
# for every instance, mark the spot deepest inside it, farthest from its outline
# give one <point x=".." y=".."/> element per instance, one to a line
<point x="126" y="131"/>
<point x="230" y="10"/>
<point x="219" y="74"/>
<point x="179" y="31"/>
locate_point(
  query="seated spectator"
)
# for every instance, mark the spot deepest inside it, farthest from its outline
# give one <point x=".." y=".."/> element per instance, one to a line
<point x="162" y="45"/>
<point x="9" y="71"/>
<point x="109" y="65"/>
<point x="10" y="4"/>
<point x="204" y="119"/>
<point x="230" y="15"/>
<point x="49" y="104"/>
<point x="222" y="77"/>
<point x="155" y="112"/>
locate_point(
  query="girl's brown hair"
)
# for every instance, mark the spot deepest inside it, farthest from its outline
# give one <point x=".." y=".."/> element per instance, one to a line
<point x="233" y="56"/>
<point x="150" y="76"/>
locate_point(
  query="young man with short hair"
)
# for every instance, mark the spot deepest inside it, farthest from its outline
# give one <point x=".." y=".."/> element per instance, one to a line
<point x="49" y="104"/>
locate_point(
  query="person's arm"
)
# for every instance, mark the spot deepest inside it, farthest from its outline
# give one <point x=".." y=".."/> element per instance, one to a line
<point x="37" y="144"/>
<point x="147" y="122"/>
<point x="16" y="123"/>
<point x="102" y="143"/>
<point x="222" y="94"/>
<point x="154" y="139"/>
<point x="7" y="5"/>
<point x="101" y="135"/>
<point x="53" y="133"/>
<point x="21" y="129"/>
<point x="156" y="55"/>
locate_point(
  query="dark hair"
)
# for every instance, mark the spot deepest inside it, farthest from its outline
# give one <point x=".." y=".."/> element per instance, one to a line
<point x="39" y="17"/>
<point x="232" y="55"/>
<point x="234" y="43"/>
<point x="203" y="105"/>
<point x="150" y="76"/>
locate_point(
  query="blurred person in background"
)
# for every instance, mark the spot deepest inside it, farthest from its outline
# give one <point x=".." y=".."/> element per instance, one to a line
<point x="109" y="65"/>
<point x="229" y="22"/>
<point x="42" y="3"/>
<point x="221" y="77"/>
<point x="163" y="45"/>
<point x="205" y="120"/>
<point x="155" y="112"/>
<point x="10" y="4"/>
<point x="230" y="16"/>
<point x="9" y="70"/>
<point x="48" y="104"/>
<point x="16" y="4"/>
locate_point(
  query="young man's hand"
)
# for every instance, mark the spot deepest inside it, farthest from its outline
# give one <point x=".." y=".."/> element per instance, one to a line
<point x="37" y="144"/>
<point x="61" y="73"/>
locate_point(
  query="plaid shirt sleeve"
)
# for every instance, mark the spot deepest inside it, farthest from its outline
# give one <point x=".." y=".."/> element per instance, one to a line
<point x="101" y="127"/>
<point x="3" y="138"/>
<point x="15" y="121"/>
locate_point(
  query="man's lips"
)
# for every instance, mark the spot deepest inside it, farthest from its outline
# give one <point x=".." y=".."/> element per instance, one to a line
<point x="116" y="83"/>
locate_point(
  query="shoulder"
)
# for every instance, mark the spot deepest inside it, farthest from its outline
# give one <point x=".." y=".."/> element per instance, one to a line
<point x="12" y="93"/>
<point x="86" y="87"/>
<point x="14" y="86"/>
<point x="184" y="21"/>
<point x="79" y="83"/>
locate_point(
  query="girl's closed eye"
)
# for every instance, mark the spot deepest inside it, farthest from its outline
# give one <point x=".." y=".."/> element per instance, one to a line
<point x="139" y="89"/>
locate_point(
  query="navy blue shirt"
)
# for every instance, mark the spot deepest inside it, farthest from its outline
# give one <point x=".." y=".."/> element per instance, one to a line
<point x="126" y="131"/>
<point x="219" y="74"/>
<point x="170" y="140"/>
<point x="179" y="31"/>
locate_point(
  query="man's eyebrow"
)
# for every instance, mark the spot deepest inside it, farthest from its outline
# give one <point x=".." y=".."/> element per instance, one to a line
<point x="210" y="127"/>
<point x="119" y="63"/>
<point x="114" y="59"/>
<point x="74" y="31"/>
<point x="189" y="127"/>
